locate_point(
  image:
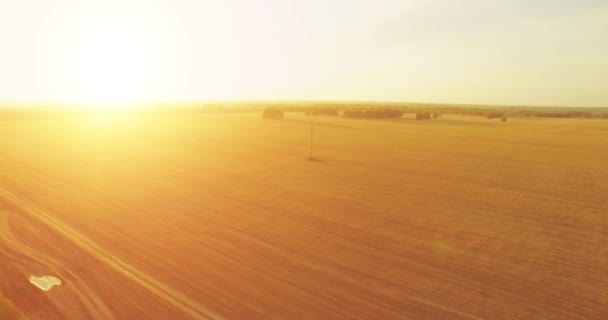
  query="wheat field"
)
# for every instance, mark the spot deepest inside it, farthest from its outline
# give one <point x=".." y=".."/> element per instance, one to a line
<point x="223" y="216"/>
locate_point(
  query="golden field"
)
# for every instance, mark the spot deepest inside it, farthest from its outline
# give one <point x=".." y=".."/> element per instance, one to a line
<point x="8" y="310"/>
<point x="222" y="216"/>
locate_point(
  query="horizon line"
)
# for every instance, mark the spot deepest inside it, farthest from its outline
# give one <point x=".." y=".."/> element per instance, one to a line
<point x="4" y="103"/>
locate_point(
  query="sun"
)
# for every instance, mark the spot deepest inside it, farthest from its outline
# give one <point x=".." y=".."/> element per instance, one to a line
<point x="115" y="67"/>
<point x="114" y="63"/>
<point x="113" y="58"/>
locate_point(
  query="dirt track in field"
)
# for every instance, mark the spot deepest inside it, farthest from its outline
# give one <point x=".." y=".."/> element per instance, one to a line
<point x="222" y="216"/>
<point x="25" y="257"/>
<point x="93" y="307"/>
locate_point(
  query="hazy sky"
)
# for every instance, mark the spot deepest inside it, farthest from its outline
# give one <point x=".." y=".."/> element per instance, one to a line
<point x="541" y="52"/>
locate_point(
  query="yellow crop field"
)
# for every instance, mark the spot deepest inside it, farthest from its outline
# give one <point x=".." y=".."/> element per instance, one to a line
<point x="223" y="216"/>
<point x="8" y="310"/>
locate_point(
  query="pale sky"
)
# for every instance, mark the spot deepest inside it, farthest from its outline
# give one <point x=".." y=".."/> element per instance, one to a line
<point x="530" y="52"/>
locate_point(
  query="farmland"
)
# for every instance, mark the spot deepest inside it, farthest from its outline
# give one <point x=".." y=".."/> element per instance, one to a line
<point x="222" y="216"/>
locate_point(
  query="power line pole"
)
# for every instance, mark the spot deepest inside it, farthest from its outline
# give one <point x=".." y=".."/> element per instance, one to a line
<point x="311" y="139"/>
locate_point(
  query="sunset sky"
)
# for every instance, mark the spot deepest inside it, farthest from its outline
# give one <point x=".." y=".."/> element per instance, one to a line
<point x="538" y="52"/>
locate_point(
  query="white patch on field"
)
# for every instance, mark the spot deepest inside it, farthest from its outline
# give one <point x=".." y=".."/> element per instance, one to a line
<point x="45" y="283"/>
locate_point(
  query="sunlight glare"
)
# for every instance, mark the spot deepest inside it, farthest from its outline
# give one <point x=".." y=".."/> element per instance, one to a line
<point x="114" y="64"/>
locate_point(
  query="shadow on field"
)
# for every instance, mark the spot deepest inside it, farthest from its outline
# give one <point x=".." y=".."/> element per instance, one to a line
<point x="316" y="160"/>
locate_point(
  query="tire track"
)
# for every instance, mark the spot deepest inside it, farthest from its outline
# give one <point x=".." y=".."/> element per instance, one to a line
<point x="23" y="255"/>
<point x="177" y="299"/>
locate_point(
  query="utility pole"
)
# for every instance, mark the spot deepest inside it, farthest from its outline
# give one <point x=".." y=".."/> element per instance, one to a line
<point x="311" y="138"/>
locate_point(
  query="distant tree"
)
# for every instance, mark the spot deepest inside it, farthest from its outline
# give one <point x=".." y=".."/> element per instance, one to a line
<point x="503" y="119"/>
<point x="423" y="116"/>
<point x="373" y="113"/>
<point x="272" y="113"/>
<point x="322" y="111"/>
<point x="495" y="115"/>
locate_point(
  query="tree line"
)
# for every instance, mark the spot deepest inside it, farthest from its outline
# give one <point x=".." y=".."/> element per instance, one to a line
<point x="373" y="113"/>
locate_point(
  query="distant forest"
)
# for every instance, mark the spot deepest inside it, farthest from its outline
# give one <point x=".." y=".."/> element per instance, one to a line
<point x="345" y="109"/>
<point x="348" y="109"/>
